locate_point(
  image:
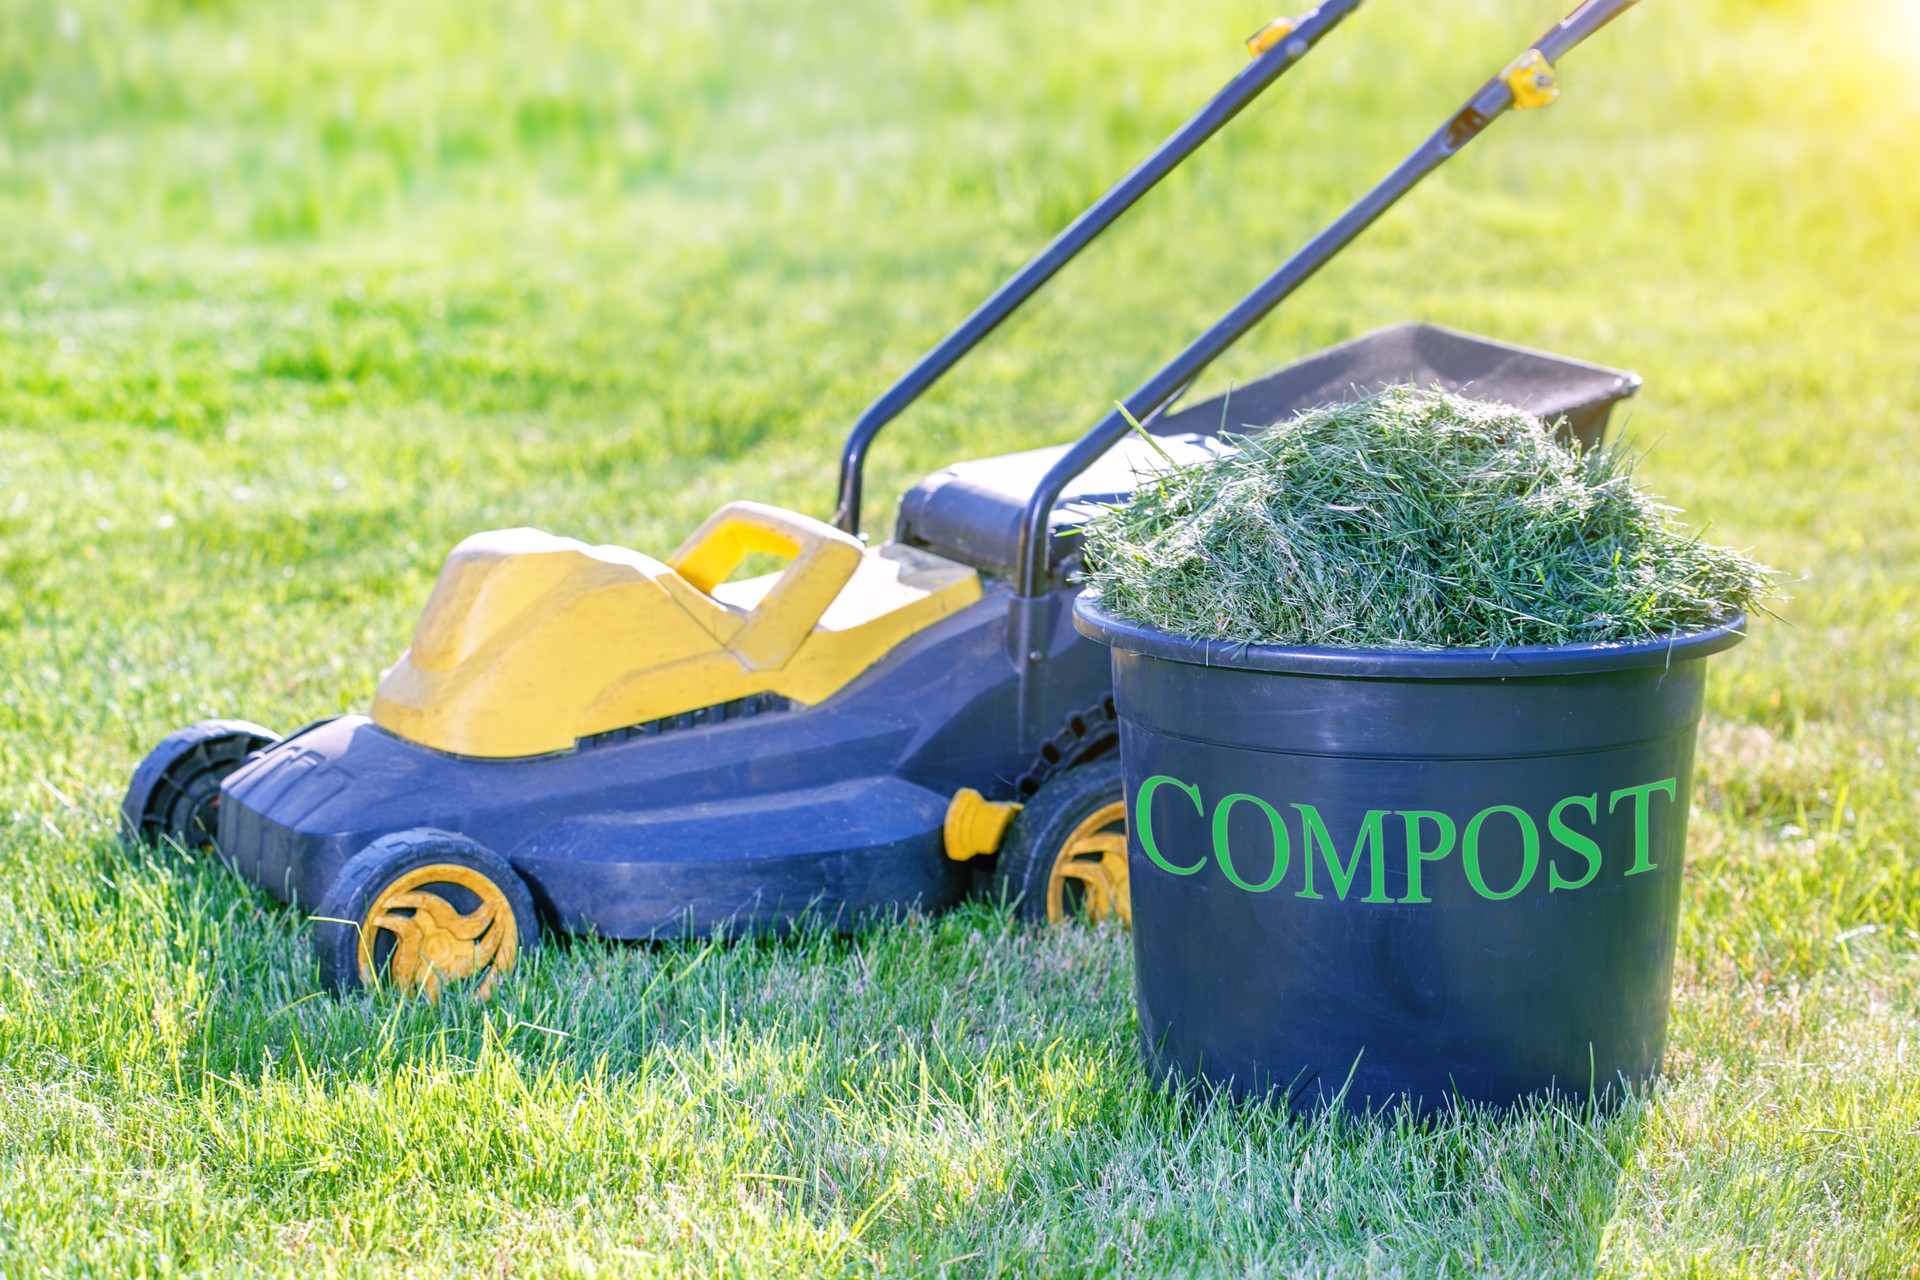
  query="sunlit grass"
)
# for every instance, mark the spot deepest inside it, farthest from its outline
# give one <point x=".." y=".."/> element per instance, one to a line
<point x="293" y="297"/>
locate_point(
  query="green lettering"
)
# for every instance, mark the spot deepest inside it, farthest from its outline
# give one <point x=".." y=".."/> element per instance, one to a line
<point x="1143" y="820"/>
<point x="1571" y="839"/>
<point x="1282" y="842"/>
<point x="1371" y="838"/>
<point x="1418" y="853"/>
<point x="1642" y="802"/>
<point x="1529" y="851"/>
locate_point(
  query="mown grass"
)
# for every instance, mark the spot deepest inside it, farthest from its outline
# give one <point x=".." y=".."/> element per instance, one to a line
<point x="293" y="297"/>
<point x="1418" y="519"/>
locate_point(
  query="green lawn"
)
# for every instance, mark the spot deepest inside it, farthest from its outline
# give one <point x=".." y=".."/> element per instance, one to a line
<point x="293" y="296"/>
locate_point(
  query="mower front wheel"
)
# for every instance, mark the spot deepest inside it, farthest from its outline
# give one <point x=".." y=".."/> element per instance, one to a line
<point x="1065" y="856"/>
<point x="419" y="909"/>
<point x="175" y="791"/>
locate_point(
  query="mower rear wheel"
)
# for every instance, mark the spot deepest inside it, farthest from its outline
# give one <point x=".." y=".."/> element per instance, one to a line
<point x="1065" y="856"/>
<point x="420" y="909"/>
<point x="175" y="792"/>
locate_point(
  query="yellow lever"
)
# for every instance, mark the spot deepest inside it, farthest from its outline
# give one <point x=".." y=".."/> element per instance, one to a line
<point x="1270" y="35"/>
<point x="1532" y="79"/>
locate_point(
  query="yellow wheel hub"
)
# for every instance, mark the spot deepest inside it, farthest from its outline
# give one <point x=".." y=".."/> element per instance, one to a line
<point x="433" y="940"/>
<point x="1095" y="858"/>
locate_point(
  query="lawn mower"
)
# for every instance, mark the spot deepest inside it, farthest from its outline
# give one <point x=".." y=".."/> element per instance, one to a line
<point x="593" y="739"/>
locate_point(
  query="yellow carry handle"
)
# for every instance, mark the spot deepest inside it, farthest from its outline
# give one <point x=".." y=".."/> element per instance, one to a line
<point x="823" y="560"/>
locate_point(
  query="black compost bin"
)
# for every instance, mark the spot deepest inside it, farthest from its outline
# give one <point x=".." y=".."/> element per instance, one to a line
<point x="1375" y="875"/>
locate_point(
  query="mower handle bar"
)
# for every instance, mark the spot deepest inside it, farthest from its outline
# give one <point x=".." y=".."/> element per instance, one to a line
<point x="1267" y="66"/>
<point x="1494" y="99"/>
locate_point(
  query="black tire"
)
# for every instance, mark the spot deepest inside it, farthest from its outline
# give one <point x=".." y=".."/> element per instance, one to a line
<point x="175" y="791"/>
<point x="1060" y="827"/>
<point x="382" y="883"/>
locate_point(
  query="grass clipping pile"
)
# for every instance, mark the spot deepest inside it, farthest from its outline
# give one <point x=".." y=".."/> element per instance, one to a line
<point x="1415" y="520"/>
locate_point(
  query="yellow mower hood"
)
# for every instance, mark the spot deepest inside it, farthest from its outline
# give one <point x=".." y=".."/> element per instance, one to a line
<point x="530" y="642"/>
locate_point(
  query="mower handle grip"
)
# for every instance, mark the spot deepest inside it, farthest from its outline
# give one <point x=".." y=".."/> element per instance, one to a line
<point x="824" y="559"/>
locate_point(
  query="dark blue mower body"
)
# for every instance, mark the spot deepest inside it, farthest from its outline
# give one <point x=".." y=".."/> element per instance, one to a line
<point x="743" y="823"/>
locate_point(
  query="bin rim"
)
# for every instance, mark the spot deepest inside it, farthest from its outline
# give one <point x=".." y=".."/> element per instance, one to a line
<point x="1404" y="664"/>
